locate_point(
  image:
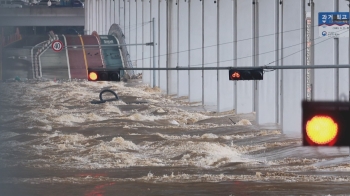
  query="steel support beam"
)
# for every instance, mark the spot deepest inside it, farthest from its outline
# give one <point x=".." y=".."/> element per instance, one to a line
<point x="266" y="68"/>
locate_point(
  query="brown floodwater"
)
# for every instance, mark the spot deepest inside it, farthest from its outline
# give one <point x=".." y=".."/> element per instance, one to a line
<point x="54" y="141"/>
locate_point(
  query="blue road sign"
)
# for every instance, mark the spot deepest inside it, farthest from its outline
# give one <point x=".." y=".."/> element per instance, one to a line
<point x="333" y="24"/>
<point x="333" y="18"/>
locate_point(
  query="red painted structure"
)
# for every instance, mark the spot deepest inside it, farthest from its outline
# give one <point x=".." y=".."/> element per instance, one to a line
<point x="80" y="53"/>
<point x="77" y="61"/>
<point x="82" y="57"/>
<point x="93" y="54"/>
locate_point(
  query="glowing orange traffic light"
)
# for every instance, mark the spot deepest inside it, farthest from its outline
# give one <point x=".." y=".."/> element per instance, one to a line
<point x="236" y="75"/>
<point x="93" y="76"/>
<point x="253" y="73"/>
<point x="103" y="74"/>
<point x="321" y="129"/>
<point x="326" y="123"/>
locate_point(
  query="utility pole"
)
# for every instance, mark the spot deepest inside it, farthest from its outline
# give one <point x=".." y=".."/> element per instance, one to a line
<point x="349" y="52"/>
<point x="1" y="45"/>
<point x="154" y="52"/>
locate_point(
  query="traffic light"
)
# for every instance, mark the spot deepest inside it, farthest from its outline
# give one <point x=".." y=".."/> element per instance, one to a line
<point x="246" y="74"/>
<point x="103" y="75"/>
<point x="326" y="123"/>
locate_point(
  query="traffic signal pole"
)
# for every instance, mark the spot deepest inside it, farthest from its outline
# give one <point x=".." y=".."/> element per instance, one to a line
<point x="154" y="52"/>
<point x="101" y="46"/>
<point x="1" y="45"/>
<point x="270" y="68"/>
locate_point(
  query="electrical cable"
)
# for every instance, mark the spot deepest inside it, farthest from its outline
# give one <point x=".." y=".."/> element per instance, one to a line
<point x="215" y="44"/>
<point x="249" y="56"/>
<point x="136" y="24"/>
<point x="132" y="29"/>
<point x="345" y="30"/>
<point x="229" y="43"/>
<point x="245" y="39"/>
<point x="304" y="48"/>
<point x="296" y="53"/>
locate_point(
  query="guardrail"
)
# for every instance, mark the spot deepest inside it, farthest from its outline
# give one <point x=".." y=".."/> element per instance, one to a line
<point x="37" y="51"/>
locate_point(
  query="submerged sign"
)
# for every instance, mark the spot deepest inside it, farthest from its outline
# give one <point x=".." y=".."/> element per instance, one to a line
<point x="333" y="24"/>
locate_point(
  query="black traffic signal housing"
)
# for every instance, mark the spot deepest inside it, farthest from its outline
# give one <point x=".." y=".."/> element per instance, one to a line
<point x="325" y="123"/>
<point x="103" y="75"/>
<point x="246" y="74"/>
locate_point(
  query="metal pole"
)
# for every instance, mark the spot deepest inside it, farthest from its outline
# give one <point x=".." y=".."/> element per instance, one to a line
<point x="154" y="52"/>
<point x="109" y="45"/>
<point x="1" y="44"/>
<point x="309" y="38"/>
<point x="266" y="68"/>
<point x="336" y="58"/>
<point x="349" y="55"/>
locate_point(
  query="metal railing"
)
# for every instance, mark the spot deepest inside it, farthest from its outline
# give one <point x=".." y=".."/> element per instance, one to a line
<point x="118" y="33"/>
<point x="39" y="49"/>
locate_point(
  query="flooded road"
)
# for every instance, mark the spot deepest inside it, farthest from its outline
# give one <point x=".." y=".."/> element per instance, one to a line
<point x="54" y="141"/>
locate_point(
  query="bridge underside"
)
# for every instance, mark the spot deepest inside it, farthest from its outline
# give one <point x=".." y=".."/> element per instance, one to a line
<point x="42" y="21"/>
<point x="42" y="16"/>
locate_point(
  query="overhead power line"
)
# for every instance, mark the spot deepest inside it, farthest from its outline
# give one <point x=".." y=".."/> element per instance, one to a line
<point x="249" y="56"/>
<point x="281" y="67"/>
<point x="245" y="39"/>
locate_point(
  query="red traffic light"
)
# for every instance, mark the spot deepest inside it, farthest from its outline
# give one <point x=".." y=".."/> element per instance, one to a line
<point x="93" y="76"/>
<point x="246" y="74"/>
<point x="321" y="130"/>
<point x="326" y="123"/>
<point x="103" y="75"/>
<point x="235" y="75"/>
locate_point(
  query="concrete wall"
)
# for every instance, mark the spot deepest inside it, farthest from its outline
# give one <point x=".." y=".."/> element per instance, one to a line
<point x="229" y="33"/>
<point x="267" y="15"/>
<point x="344" y="58"/>
<point x="162" y="45"/>
<point x="133" y="31"/>
<point x="154" y="38"/>
<point x="210" y="48"/>
<point x="196" y="50"/>
<point x="183" y="45"/>
<point x="146" y="33"/>
<point x="173" y="51"/>
<point x="325" y="87"/>
<point x="292" y="80"/>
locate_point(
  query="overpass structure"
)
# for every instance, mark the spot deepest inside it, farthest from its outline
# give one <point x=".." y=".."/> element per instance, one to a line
<point x="34" y="58"/>
<point x="42" y="16"/>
